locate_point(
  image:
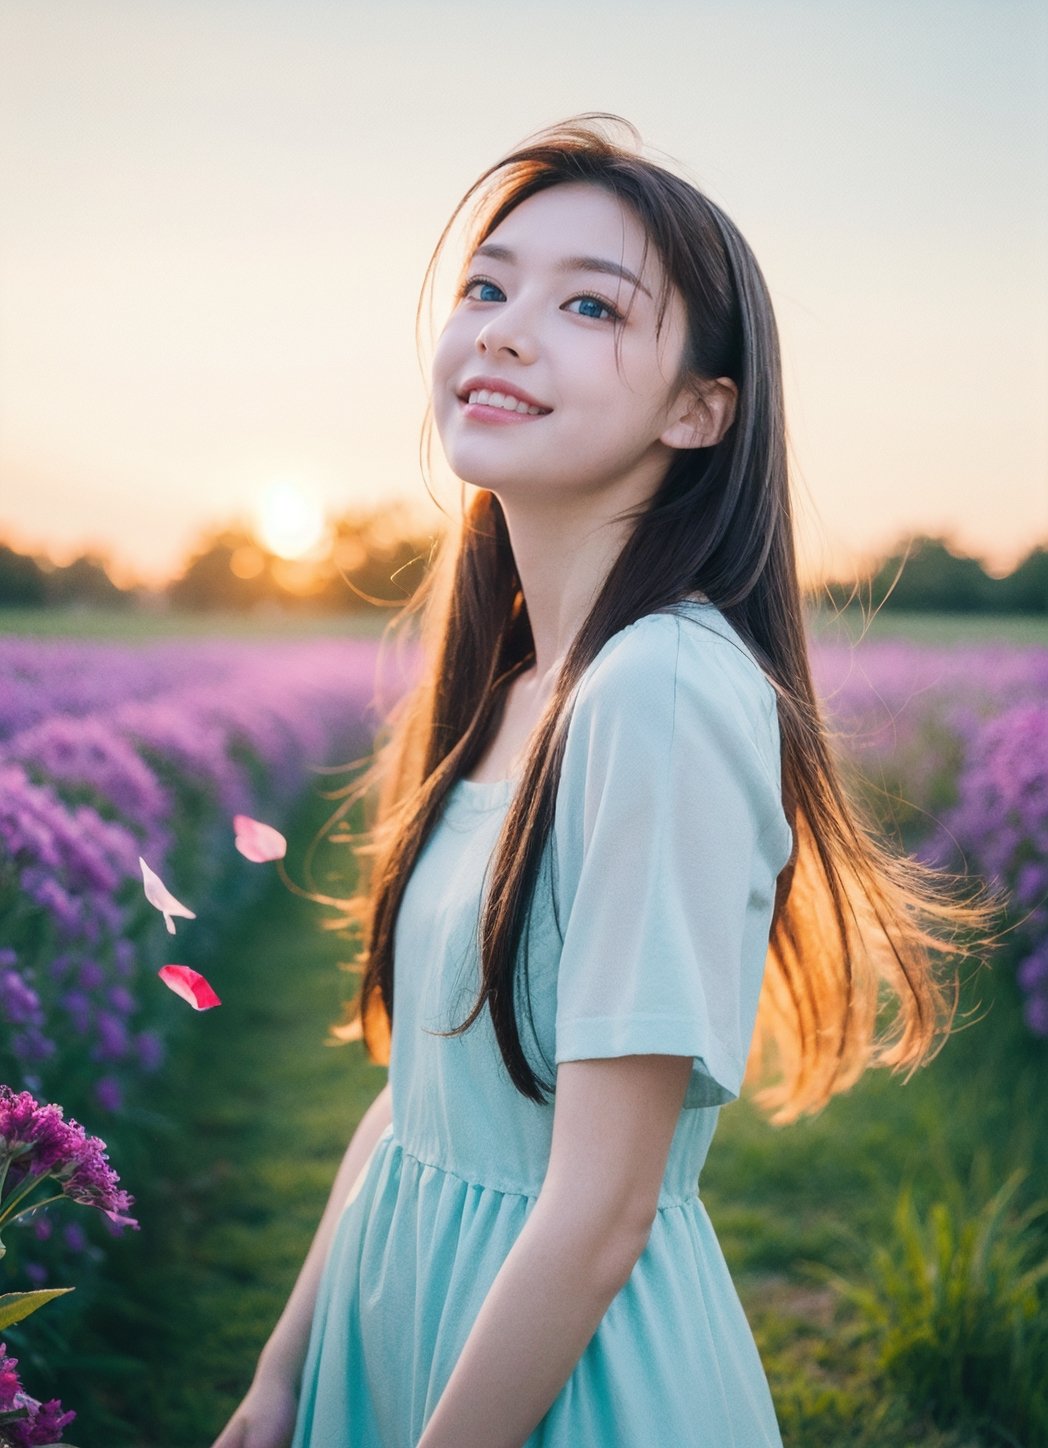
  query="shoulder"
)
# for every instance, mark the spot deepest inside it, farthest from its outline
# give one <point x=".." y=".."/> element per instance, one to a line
<point x="671" y="703"/>
<point x="691" y="659"/>
<point x="673" y="728"/>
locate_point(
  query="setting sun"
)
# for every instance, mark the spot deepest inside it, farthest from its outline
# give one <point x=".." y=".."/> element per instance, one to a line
<point x="289" y="522"/>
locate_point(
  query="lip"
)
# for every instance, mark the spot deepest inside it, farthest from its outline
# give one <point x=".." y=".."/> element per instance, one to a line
<point x="498" y="384"/>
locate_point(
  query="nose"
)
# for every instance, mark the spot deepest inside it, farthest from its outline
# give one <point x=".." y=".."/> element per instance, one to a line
<point x="507" y="330"/>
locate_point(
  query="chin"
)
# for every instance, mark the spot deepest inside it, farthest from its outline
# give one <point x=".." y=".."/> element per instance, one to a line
<point x="482" y="475"/>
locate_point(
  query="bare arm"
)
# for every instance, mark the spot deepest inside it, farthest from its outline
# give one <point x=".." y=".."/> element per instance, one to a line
<point x="612" y="1128"/>
<point x="265" y="1418"/>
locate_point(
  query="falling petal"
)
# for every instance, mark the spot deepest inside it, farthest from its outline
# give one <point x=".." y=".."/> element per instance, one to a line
<point x="159" y="895"/>
<point x="121" y="1221"/>
<point x="258" y="842"/>
<point x="190" y="985"/>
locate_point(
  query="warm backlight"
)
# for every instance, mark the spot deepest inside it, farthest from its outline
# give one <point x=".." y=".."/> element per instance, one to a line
<point x="288" y="522"/>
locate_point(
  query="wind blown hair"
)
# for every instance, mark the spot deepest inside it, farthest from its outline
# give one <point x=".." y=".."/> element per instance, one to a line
<point x="858" y="928"/>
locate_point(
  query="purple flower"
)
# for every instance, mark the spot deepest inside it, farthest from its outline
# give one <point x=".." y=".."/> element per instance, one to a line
<point x="151" y="1050"/>
<point x="957" y="738"/>
<point x="1033" y="971"/>
<point x="109" y="1094"/>
<point x="78" y="1008"/>
<point x="60" y="966"/>
<point x="42" y="1424"/>
<point x="112" y="1043"/>
<point x="121" y="1000"/>
<point x="37" y="1141"/>
<point x="42" y="1226"/>
<point x="124" y="958"/>
<point x="30" y="1047"/>
<point x="91" y="975"/>
<point x="74" y="1237"/>
<point x="90" y="1180"/>
<point x="1035" y="1014"/>
<point x="19" y="1002"/>
<point x="9" y="1384"/>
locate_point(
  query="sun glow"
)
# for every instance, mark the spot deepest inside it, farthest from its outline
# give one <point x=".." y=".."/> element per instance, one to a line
<point x="289" y="522"/>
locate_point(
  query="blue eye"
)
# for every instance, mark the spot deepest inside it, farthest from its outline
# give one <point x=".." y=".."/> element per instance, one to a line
<point x="599" y="304"/>
<point x="485" y="285"/>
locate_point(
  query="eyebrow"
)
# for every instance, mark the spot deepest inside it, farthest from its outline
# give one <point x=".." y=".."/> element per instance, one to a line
<point x="569" y="263"/>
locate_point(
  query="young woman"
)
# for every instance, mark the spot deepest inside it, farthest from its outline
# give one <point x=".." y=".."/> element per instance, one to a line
<point x="612" y="862"/>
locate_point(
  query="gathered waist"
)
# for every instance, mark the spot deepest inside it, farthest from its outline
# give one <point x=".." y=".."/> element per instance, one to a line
<point x="423" y="1159"/>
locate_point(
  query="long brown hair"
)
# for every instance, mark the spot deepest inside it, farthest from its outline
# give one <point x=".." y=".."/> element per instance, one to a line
<point x="856" y="924"/>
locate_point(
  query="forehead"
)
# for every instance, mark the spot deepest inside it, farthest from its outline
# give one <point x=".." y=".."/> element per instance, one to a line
<point x="577" y="218"/>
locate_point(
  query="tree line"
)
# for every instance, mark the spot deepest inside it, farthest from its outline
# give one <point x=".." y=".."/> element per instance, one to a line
<point x="925" y="575"/>
<point x="380" y="556"/>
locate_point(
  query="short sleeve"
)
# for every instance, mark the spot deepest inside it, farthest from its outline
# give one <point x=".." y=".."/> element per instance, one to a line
<point x="669" y="835"/>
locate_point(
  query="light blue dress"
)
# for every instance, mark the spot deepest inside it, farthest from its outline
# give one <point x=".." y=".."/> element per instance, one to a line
<point x="668" y="838"/>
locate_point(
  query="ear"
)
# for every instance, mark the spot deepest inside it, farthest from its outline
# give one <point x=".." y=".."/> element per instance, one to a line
<point x="703" y="414"/>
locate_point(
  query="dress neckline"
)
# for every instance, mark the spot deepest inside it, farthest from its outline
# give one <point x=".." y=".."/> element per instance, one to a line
<point x="486" y="789"/>
<point x="487" y="793"/>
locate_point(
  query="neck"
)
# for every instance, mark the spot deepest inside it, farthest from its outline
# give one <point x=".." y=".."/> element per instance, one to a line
<point x="562" y="565"/>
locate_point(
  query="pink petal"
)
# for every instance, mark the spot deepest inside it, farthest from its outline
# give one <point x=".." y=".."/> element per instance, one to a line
<point x="122" y="1221"/>
<point x="159" y="895"/>
<point x="258" y="842"/>
<point x="190" y="985"/>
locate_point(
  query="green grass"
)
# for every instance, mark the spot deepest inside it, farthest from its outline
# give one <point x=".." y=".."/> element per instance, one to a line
<point x="368" y="622"/>
<point x="788" y="1203"/>
<point x="141" y="626"/>
<point x="938" y="629"/>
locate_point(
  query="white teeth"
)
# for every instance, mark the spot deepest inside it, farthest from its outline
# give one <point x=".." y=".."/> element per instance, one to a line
<point x="499" y="399"/>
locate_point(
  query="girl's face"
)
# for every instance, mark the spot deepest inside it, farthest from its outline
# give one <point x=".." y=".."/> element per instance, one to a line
<point x="541" y="307"/>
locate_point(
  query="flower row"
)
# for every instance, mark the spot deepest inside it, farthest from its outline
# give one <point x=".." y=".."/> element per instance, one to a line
<point x="954" y="743"/>
<point x="111" y="772"/>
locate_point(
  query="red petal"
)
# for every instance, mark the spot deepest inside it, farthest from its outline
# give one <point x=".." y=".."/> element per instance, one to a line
<point x="258" y="842"/>
<point x="190" y="985"/>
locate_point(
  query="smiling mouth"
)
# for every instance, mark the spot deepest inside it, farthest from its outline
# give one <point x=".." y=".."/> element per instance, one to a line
<point x="504" y="401"/>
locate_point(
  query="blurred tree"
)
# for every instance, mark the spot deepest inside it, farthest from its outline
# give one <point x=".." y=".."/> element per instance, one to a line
<point x="84" y="582"/>
<point x="922" y="574"/>
<point x="22" y="581"/>
<point x="216" y="578"/>
<point x="934" y="578"/>
<point x="1026" y="589"/>
<point x="372" y="556"/>
<point x="381" y="554"/>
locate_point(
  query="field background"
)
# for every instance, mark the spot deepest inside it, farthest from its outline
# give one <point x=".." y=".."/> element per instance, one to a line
<point x="249" y="1123"/>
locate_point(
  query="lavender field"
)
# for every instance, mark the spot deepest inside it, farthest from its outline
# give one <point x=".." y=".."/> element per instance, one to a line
<point x="109" y="752"/>
<point x="952" y="746"/>
<point x="113" y="753"/>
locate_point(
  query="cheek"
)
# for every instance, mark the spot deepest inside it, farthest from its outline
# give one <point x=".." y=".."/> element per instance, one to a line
<point x="441" y="366"/>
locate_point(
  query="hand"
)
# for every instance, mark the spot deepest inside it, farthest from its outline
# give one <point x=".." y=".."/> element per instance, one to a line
<point x="265" y="1418"/>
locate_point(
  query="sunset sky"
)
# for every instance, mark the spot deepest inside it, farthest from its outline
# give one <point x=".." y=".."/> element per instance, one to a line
<point x="215" y="216"/>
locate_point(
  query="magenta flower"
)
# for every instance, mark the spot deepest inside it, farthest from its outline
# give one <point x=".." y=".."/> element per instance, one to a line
<point x="37" y="1142"/>
<point x="25" y="1422"/>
